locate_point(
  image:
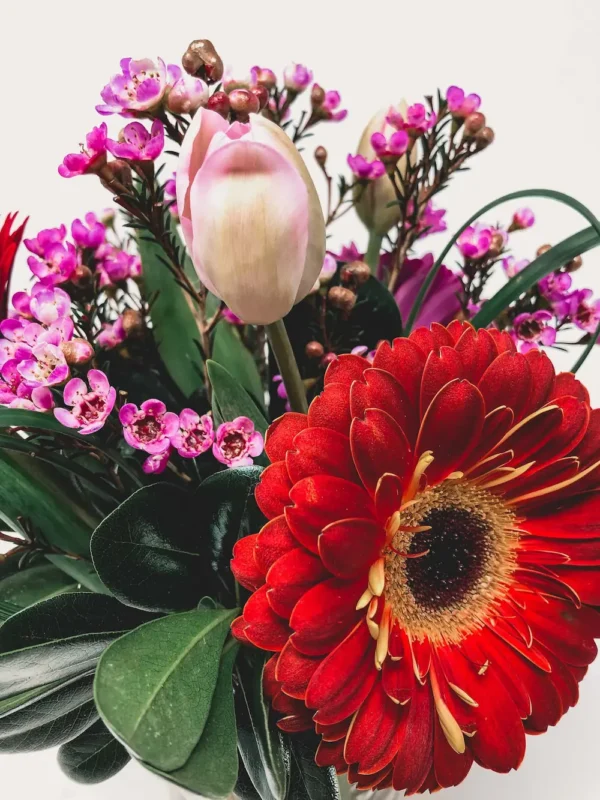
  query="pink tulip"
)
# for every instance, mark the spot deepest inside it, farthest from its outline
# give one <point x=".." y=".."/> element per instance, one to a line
<point x="250" y="215"/>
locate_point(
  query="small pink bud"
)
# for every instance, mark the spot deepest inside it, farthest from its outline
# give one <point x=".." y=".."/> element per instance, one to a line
<point x="321" y="156"/>
<point x="314" y="350"/>
<point x="484" y="138"/>
<point x="77" y="351"/>
<point x="543" y="249"/>
<point x="317" y="95"/>
<point x="261" y="94"/>
<point x="327" y="359"/>
<point x="342" y="298"/>
<point x="219" y="102"/>
<point x="243" y="102"/>
<point x="474" y="123"/>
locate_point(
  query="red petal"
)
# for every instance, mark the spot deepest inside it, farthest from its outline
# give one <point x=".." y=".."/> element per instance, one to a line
<point x="273" y="541"/>
<point x="346" y="369"/>
<point x="585" y="581"/>
<point x="578" y="517"/>
<point x="405" y="361"/>
<point x="281" y="434"/>
<point x="588" y="450"/>
<point x="451" y="768"/>
<point x="271" y="685"/>
<point x="265" y="629"/>
<point x="331" y="754"/>
<point x="542" y="379"/>
<point x="295" y="724"/>
<point x="350" y="546"/>
<point x="341" y="666"/>
<point x="451" y="427"/>
<point x="457" y="327"/>
<point x="320" y="451"/>
<point x="272" y="494"/>
<point x="333" y="733"/>
<point x="512" y="637"/>
<point x="243" y="564"/>
<point x="533" y="432"/>
<point x="294" y="671"/>
<point x="507" y="382"/>
<point x="379" y="446"/>
<point x="565" y="630"/>
<point x="502" y="340"/>
<point x="290" y="577"/>
<point x="548" y="475"/>
<point x="441" y="368"/>
<point x="415" y="755"/>
<point x="477" y="350"/>
<point x="388" y="496"/>
<point x="546" y="584"/>
<point x="331" y="409"/>
<point x="567" y="384"/>
<point x="571" y="431"/>
<point x="381" y="390"/>
<point x="429" y="340"/>
<point x="323" y="617"/>
<point x="375" y="733"/>
<point x="321" y="500"/>
<point x="398" y="678"/>
<point x="238" y="629"/>
<point x="585" y="553"/>
<point x="496" y="425"/>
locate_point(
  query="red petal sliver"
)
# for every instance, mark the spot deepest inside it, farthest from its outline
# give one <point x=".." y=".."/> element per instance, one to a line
<point x="273" y="541"/>
<point x="405" y="361"/>
<point x="348" y="547"/>
<point x="382" y="391"/>
<point x="507" y="382"/>
<point x="478" y="350"/>
<point x="323" y="617"/>
<point x="441" y="368"/>
<point x="331" y="409"/>
<point x="320" y="451"/>
<point x="379" y="446"/>
<point x="346" y="369"/>
<point x="281" y="434"/>
<point x="273" y="490"/>
<point x="290" y="577"/>
<point x="264" y="628"/>
<point x="244" y="565"/>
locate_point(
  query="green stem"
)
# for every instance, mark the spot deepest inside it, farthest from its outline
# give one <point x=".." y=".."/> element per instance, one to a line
<point x="284" y="354"/>
<point x="373" y="251"/>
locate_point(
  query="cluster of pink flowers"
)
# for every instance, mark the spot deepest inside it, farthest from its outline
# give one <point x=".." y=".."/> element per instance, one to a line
<point x="417" y="122"/>
<point x="460" y="104"/>
<point x="576" y="306"/>
<point x="158" y="432"/>
<point x="364" y="169"/>
<point x="475" y="241"/>
<point x="390" y="149"/>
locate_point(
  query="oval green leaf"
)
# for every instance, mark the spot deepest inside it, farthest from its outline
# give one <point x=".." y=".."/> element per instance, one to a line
<point x="93" y="757"/>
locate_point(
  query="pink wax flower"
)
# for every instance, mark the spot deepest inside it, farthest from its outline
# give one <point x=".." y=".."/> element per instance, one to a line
<point x="157" y="463"/>
<point x="461" y="105"/>
<point x="58" y="264"/>
<point x="363" y="350"/>
<point x="442" y="301"/>
<point x="328" y="269"/>
<point x="418" y="119"/>
<point x="584" y="314"/>
<point x="48" y="303"/>
<point x="432" y="220"/>
<point x="91" y="158"/>
<point x="237" y="443"/>
<point x="138" y="144"/>
<point x="392" y="148"/>
<point x="45" y="239"/>
<point x="349" y="253"/>
<point x="194" y="434"/>
<point x="114" y="265"/>
<point x="11" y="383"/>
<point x="233" y="319"/>
<point x="263" y="76"/>
<point x="329" y="109"/>
<point x="522" y="218"/>
<point x="533" y="329"/>
<point x="170" y="195"/>
<point x="149" y="427"/>
<point x="512" y="266"/>
<point x="135" y="267"/>
<point x="40" y="400"/>
<point x="366" y="170"/>
<point x="138" y="89"/>
<point x="185" y="94"/>
<point x="281" y="391"/>
<point x="296" y="78"/>
<point x="555" y="286"/>
<point x="474" y="308"/>
<point x="90" y="233"/>
<point x="111" y="335"/>
<point x="90" y="406"/>
<point x="47" y="367"/>
<point x="475" y="241"/>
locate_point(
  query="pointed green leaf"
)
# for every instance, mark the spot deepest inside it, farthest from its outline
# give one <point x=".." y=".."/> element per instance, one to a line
<point x="229" y="351"/>
<point x="53" y="733"/>
<point x="39" y="582"/>
<point x="154" y="686"/>
<point x="94" y="756"/>
<point x="307" y="780"/>
<point x="79" y="570"/>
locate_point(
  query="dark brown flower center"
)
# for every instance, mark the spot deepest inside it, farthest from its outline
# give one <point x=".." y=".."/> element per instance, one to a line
<point x="234" y="444"/>
<point x="147" y="429"/>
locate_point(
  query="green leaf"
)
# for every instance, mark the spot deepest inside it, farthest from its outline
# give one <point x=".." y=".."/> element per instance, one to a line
<point x="229" y="351"/>
<point x="307" y="780"/>
<point x="32" y="489"/>
<point x="229" y="511"/>
<point x="231" y="400"/>
<point x="149" y="554"/>
<point x="94" y="756"/>
<point x="154" y="686"/>
<point x="173" y="325"/>
<point x="60" y="638"/>
<point x="39" y="582"/>
<point x="53" y="733"/>
<point x="376" y="314"/>
<point x="30" y="696"/>
<point x="79" y="570"/>
<point x="244" y="788"/>
<point x="261" y="744"/>
<point x="212" y="769"/>
<point x="7" y="610"/>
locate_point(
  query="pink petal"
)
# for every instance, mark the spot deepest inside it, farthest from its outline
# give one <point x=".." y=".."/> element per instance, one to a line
<point x="127" y="414"/>
<point x="98" y="381"/>
<point x="65" y="418"/>
<point x="74" y="391"/>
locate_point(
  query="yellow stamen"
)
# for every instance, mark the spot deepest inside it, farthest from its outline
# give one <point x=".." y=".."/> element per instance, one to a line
<point x="555" y="487"/>
<point x="383" y="639"/>
<point x="450" y="727"/>
<point x="373" y="628"/>
<point x="463" y="695"/>
<point x="413" y="487"/>
<point x="377" y="577"/>
<point x="523" y="422"/>
<point x="364" y="600"/>
<point x="511" y="475"/>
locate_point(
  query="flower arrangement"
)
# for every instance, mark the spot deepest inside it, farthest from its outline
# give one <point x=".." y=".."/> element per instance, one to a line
<point x="278" y="509"/>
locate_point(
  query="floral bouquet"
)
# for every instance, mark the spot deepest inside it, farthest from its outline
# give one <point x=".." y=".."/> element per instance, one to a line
<point x="274" y="508"/>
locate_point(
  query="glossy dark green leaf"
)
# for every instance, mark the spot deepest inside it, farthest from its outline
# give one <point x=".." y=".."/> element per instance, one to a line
<point x="376" y="314"/>
<point x="7" y="610"/>
<point x="307" y="780"/>
<point x="229" y="351"/>
<point x="94" y="756"/>
<point x="79" y="570"/>
<point x="212" y="768"/>
<point x="228" y="511"/>
<point x="60" y="638"/>
<point x="154" y="686"/>
<point x="261" y="744"/>
<point x="244" y="788"/>
<point x="53" y="733"/>
<point x="148" y="552"/>
<point x="23" y="699"/>
<point x="32" y="489"/>
<point x="39" y="582"/>
<point x="173" y="325"/>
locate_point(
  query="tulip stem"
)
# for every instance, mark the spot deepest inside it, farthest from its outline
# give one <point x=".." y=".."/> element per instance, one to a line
<point x="373" y="250"/>
<point x="280" y="342"/>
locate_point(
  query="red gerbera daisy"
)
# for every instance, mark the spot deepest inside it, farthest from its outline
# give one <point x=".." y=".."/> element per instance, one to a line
<point x="427" y="575"/>
<point x="9" y="242"/>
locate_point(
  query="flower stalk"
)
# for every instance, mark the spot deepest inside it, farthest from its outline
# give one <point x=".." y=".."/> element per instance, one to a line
<point x="288" y="367"/>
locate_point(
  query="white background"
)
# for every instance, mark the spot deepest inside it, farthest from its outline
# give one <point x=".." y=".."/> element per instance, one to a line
<point x="534" y="62"/>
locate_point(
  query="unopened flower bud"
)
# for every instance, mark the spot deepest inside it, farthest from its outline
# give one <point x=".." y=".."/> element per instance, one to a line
<point x="243" y="102"/>
<point x="317" y="95"/>
<point x="202" y="61"/>
<point x="497" y="244"/>
<point x="484" y="138"/>
<point x="107" y="217"/>
<point x="133" y="322"/>
<point x="116" y="175"/>
<point x="219" y="102"/>
<point x="321" y="156"/>
<point x="574" y="264"/>
<point x="314" y="350"/>
<point x="356" y="272"/>
<point x="261" y="94"/>
<point x="327" y="359"/>
<point x="81" y="276"/>
<point x="474" y="123"/>
<point x="342" y="298"/>
<point x="77" y="351"/>
<point x="263" y="76"/>
<point x="543" y="249"/>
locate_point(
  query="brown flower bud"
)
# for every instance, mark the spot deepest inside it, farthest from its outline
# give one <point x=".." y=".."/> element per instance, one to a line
<point x="133" y="322"/>
<point x="342" y="298"/>
<point x="77" y="351"/>
<point x="474" y="123"/>
<point x="574" y="264"/>
<point x="543" y="249"/>
<point x="243" y="103"/>
<point x="265" y="77"/>
<point x="497" y="244"/>
<point x="81" y="276"/>
<point x="202" y="61"/>
<point x="314" y="350"/>
<point x="116" y="176"/>
<point x="327" y="359"/>
<point x="321" y="156"/>
<point x="261" y="94"/>
<point x="219" y="102"/>
<point x="484" y="138"/>
<point x="357" y="272"/>
<point x="317" y="95"/>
